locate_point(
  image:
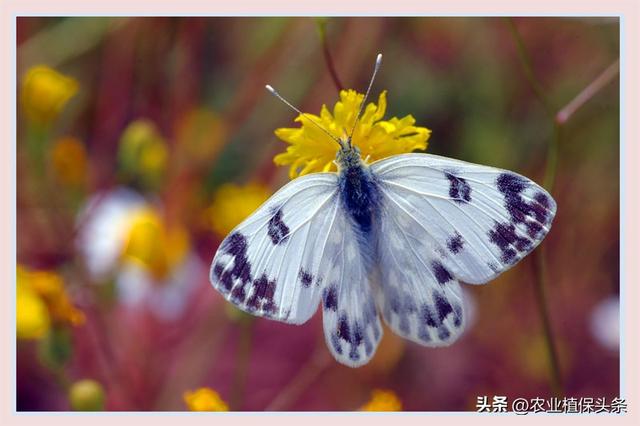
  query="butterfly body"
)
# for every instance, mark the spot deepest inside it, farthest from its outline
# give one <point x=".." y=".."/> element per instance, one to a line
<point x="360" y="198"/>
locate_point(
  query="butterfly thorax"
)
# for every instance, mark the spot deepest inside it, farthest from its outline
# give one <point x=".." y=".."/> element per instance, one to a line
<point x="358" y="188"/>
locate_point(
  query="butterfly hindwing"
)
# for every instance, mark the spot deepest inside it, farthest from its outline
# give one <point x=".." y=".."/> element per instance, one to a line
<point x="270" y="264"/>
<point x="352" y="327"/>
<point x="418" y="299"/>
<point x="475" y="221"/>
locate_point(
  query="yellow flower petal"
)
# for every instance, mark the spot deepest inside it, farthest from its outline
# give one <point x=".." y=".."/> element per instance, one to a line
<point x="154" y="245"/>
<point x="87" y="395"/>
<point x="310" y="150"/>
<point x="204" y="399"/>
<point x="143" y="153"/>
<point x="32" y="316"/>
<point x="45" y="288"/>
<point x="44" y="92"/>
<point x="383" y="400"/>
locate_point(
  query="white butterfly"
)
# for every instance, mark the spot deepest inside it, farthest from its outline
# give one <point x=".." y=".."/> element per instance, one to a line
<point x="390" y="238"/>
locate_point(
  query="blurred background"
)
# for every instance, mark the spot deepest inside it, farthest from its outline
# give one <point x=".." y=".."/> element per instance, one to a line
<point x="143" y="141"/>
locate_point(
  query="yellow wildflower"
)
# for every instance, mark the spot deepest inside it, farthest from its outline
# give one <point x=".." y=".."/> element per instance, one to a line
<point x="45" y="92"/>
<point x="32" y="316"/>
<point x="69" y="160"/>
<point x="40" y="300"/>
<point x="204" y="399"/>
<point x="143" y="152"/>
<point x="311" y="150"/>
<point x="233" y="203"/>
<point x="153" y="244"/>
<point x="86" y="395"/>
<point x="383" y="400"/>
<point x="50" y="287"/>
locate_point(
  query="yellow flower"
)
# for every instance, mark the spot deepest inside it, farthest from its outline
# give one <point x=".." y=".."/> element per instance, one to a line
<point x="143" y="152"/>
<point x="40" y="300"/>
<point x="32" y="316"/>
<point x="154" y="245"/>
<point x="204" y="399"/>
<point x="233" y="203"/>
<point x="86" y="395"/>
<point x="69" y="160"/>
<point x="311" y="150"/>
<point x="45" y="92"/>
<point x="383" y="400"/>
<point x="50" y="287"/>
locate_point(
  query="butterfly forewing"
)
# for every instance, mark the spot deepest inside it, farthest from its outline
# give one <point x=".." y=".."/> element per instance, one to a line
<point x="270" y="264"/>
<point x="474" y="221"/>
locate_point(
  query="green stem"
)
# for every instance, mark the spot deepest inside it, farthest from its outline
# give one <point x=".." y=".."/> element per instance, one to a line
<point x="552" y="158"/>
<point x="36" y="139"/>
<point x="322" y="23"/>
<point x="540" y="261"/>
<point x="540" y="264"/>
<point x="244" y="355"/>
<point x="527" y="67"/>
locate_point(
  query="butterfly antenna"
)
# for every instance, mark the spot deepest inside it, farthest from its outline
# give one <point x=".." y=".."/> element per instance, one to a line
<point x="302" y="114"/>
<point x="366" y="95"/>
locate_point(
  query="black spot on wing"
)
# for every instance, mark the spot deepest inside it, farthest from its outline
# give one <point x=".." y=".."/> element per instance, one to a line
<point x="262" y="295"/>
<point x="354" y="331"/>
<point x="278" y="231"/>
<point x="238" y="282"/>
<point x="533" y="214"/>
<point x="509" y="183"/>
<point x="443" y="307"/>
<point x="457" y="319"/>
<point x="455" y="243"/>
<point x="305" y="278"/>
<point x="504" y="236"/>
<point x="433" y="316"/>
<point x="335" y="342"/>
<point x="441" y="273"/>
<point x="459" y="189"/>
<point x="343" y="328"/>
<point x="330" y="298"/>
<point x="428" y="317"/>
<point x="234" y="245"/>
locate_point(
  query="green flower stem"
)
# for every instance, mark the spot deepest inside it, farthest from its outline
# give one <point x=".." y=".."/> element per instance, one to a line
<point x="242" y="364"/>
<point x="322" y="30"/>
<point x="37" y="136"/>
<point x="539" y="257"/>
<point x="541" y="273"/>
<point x="525" y="61"/>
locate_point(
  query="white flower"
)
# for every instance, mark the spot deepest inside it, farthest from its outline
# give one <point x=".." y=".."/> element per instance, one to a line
<point x="605" y="323"/>
<point x="123" y="236"/>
